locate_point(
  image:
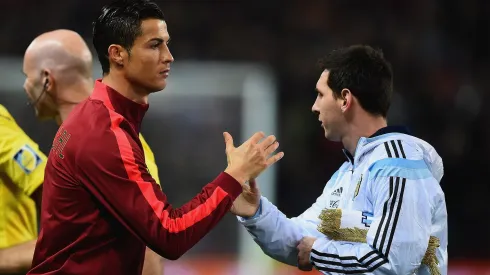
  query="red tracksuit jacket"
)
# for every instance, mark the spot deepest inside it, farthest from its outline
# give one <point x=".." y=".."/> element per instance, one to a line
<point x="100" y="205"/>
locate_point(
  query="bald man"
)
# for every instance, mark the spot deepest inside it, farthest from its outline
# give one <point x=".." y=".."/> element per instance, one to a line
<point x="58" y="69"/>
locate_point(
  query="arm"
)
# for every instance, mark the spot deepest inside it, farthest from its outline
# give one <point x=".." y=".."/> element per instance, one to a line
<point x="398" y="236"/>
<point x="153" y="263"/>
<point x="20" y="158"/>
<point x="23" y="164"/>
<point x="278" y="235"/>
<point x="114" y="171"/>
<point x="17" y="259"/>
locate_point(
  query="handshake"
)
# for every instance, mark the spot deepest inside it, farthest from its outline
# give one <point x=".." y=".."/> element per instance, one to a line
<point x="245" y="163"/>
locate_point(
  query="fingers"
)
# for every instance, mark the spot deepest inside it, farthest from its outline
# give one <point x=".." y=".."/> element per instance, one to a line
<point x="303" y="267"/>
<point x="269" y="150"/>
<point x="245" y="188"/>
<point x="275" y="158"/>
<point x="228" y="141"/>
<point x="267" y="142"/>
<point x="303" y="257"/>
<point x="256" y="137"/>
<point x="253" y="184"/>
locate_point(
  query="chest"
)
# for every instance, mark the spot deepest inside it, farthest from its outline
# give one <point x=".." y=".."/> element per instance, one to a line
<point x="349" y="190"/>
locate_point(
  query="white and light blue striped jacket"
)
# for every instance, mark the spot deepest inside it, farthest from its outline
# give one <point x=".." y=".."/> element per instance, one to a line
<point x="399" y="178"/>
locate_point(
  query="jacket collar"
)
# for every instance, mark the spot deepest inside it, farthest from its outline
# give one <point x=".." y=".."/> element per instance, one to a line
<point x="133" y="112"/>
<point x="380" y="132"/>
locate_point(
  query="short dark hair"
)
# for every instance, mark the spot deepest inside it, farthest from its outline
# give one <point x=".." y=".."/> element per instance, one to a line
<point x="120" y="23"/>
<point x="365" y="72"/>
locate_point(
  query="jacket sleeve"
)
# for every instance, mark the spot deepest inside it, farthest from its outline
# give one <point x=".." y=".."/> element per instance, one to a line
<point x="113" y="169"/>
<point x="20" y="158"/>
<point x="277" y="235"/>
<point x="403" y="193"/>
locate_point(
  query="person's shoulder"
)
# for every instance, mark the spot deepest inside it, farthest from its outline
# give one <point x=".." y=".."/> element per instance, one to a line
<point x="5" y="116"/>
<point x="404" y="156"/>
<point x="4" y="112"/>
<point x="396" y="146"/>
<point x="88" y="117"/>
<point x="10" y="131"/>
<point x="390" y="150"/>
<point x="88" y="125"/>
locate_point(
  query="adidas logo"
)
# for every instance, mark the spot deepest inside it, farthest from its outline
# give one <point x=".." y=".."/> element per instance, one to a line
<point x="337" y="192"/>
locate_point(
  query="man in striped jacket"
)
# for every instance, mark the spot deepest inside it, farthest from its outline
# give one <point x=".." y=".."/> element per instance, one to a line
<point x="383" y="211"/>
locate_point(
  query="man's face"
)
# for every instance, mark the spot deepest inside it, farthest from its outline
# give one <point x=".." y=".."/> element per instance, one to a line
<point x="36" y="90"/>
<point x="328" y="109"/>
<point x="148" y="64"/>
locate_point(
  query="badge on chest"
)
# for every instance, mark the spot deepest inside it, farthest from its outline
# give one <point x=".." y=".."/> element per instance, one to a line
<point x="335" y="197"/>
<point x="358" y="186"/>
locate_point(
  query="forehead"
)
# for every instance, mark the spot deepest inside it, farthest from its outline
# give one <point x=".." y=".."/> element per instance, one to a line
<point x="153" y="28"/>
<point x="28" y="62"/>
<point x="322" y="81"/>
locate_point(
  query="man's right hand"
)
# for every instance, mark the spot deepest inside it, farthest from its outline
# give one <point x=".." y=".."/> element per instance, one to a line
<point x="251" y="158"/>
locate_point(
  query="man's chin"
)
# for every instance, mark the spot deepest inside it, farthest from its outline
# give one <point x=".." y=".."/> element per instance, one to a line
<point x="161" y="86"/>
<point x="331" y="137"/>
<point x="326" y="133"/>
<point x="157" y="87"/>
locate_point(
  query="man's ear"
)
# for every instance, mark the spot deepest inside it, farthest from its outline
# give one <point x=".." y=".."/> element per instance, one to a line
<point x="117" y="54"/>
<point x="346" y="97"/>
<point x="47" y="80"/>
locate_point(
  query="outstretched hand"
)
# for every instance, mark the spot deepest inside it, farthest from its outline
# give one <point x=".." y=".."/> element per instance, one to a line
<point x="252" y="157"/>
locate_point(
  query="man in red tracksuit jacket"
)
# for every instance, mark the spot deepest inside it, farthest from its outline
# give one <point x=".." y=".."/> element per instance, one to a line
<point x="101" y="207"/>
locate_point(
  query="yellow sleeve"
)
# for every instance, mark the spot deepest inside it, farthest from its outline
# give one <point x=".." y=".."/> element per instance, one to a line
<point x="150" y="160"/>
<point x="20" y="158"/>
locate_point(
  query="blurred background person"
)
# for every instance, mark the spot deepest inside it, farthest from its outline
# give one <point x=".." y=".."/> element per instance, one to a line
<point x="21" y="176"/>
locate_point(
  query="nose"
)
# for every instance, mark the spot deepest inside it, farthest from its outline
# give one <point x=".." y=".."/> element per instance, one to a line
<point x="25" y="86"/>
<point x="315" y="109"/>
<point x="167" y="55"/>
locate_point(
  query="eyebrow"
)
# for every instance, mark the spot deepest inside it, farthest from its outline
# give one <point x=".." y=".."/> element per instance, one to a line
<point x="160" y="40"/>
<point x="156" y="39"/>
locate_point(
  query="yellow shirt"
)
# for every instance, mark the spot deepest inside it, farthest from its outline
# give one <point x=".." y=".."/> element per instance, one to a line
<point x="21" y="173"/>
<point x="22" y="167"/>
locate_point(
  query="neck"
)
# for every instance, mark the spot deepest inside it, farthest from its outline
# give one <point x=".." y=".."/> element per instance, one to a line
<point x="63" y="111"/>
<point x="77" y="93"/>
<point x="362" y="128"/>
<point x="124" y="87"/>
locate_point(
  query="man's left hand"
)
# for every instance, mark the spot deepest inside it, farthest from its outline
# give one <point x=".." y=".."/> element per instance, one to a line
<point x="304" y="251"/>
<point x="247" y="203"/>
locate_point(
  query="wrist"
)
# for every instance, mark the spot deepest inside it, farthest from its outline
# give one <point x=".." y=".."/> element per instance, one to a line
<point x="240" y="177"/>
<point x="257" y="212"/>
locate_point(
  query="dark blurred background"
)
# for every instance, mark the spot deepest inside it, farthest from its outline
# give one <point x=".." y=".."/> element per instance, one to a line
<point x="439" y="51"/>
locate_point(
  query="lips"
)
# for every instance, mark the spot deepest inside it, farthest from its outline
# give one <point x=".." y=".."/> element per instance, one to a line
<point x="165" y="72"/>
